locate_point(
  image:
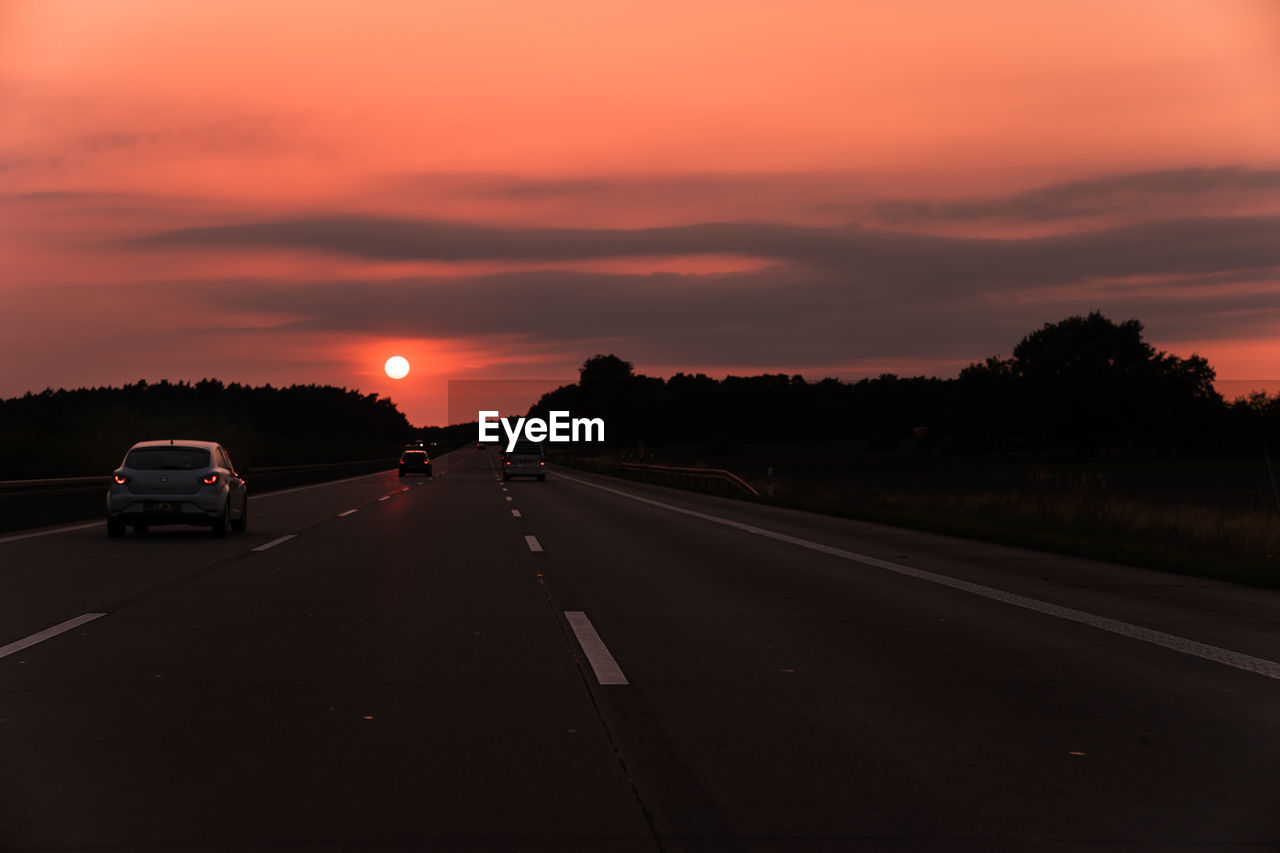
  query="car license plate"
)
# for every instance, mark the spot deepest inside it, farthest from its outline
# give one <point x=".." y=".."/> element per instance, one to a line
<point x="161" y="506"/>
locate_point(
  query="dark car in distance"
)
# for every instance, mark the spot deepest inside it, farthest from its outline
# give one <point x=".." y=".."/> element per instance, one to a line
<point x="415" y="462"/>
<point x="526" y="459"/>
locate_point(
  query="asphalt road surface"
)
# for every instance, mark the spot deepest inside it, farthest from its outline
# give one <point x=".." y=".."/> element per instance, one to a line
<point x="590" y="664"/>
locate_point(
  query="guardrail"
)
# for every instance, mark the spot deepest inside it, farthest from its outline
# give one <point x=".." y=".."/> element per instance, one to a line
<point x="691" y="476"/>
<point x="52" y="485"/>
<point x="34" y="503"/>
<point x="61" y="483"/>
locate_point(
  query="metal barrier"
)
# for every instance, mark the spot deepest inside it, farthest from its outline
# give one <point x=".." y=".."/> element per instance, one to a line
<point x="64" y="484"/>
<point x="34" y="503"/>
<point x="691" y="476"/>
<point x="56" y="485"/>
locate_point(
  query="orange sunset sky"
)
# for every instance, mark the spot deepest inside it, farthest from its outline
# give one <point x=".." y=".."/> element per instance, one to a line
<point x="292" y="192"/>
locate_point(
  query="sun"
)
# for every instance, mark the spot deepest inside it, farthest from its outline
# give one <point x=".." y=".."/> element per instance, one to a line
<point x="397" y="367"/>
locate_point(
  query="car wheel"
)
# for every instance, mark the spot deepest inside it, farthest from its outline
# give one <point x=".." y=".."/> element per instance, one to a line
<point x="115" y="528"/>
<point x="428" y="471"/>
<point x="238" y="524"/>
<point x="140" y="527"/>
<point x="222" y="524"/>
<point x="402" y="473"/>
<point x="506" y="477"/>
<point x="542" y="478"/>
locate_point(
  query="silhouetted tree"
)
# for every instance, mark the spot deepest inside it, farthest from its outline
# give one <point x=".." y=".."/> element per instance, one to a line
<point x="1085" y="383"/>
<point x="605" y="371"/>
<point x="85" y="431"/>
<point x="1079" y="385"/>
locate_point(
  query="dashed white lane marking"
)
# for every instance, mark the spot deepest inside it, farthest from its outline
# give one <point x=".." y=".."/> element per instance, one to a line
<point x="274" y="542"/>
<point x="406" y="488"/>
<point x="348" y="512"/>
<point x="41" y="636"/>
<point x="508" y="497"/>
<point x="384" y="498"/>
<point x="50" y="532"/>
<point x="534" y="545"/>
<point x="1226" y="657"/>
<point x="504" y="488"/>
<point x="515" y="513"/>
<point x="602" y="663"/>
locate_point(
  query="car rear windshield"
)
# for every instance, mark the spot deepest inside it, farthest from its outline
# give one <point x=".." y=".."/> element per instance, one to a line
<point x="167" y="459"/>
<point x="528" y="447"/>
<point x="414" y="456"/>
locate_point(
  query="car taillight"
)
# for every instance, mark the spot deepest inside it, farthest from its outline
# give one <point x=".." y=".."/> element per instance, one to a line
<point x="542" y="462"/>
<point x="209" y="480"/>
<point x="120" y="479"/>
<point x="508" y="462"/>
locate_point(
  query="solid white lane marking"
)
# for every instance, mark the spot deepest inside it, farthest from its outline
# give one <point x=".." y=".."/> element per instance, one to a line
<point x="61" y="627"/>
<point x="274" y="542"/>
<point x="1226" y="657"/>
<point x="51" y="531"/>
<point x="602" y="663"/>
<point x="533" y="543"/>
<point x="515" y="513"/>
<point x="348" y="512"/>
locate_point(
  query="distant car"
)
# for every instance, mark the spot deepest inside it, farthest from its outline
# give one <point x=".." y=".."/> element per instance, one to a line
<point x="176" y="481"/>
<point x="415" y="462"/>
<point x="526" y="459"/>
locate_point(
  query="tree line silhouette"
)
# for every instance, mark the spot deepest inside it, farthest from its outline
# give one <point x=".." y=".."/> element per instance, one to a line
<point x="87" y="431"/>
<point x="1082" y="386"/>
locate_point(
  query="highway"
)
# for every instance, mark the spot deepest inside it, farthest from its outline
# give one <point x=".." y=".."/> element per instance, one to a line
<point x="459" y="663"/>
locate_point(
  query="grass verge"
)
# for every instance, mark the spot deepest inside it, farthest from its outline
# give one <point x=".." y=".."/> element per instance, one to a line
<point x="1203" y="518"/>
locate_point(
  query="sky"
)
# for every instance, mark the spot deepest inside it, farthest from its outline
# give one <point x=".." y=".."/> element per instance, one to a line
<point x="293" y="192"/>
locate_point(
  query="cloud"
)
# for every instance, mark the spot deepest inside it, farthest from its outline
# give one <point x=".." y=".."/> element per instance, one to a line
<point x="520" y="189"/>
<point x="90" y="198"/>
<point x="827" y="296"/>
<point x="914" y="260"/>
<point x="67" y="143"/>
<point x="403" y="239"/>
<point x="680" y="187"/>
<point x="1091" y="197"/>
<point x="839" y="197"/>
<point x="236" y="135"/>
<point x="772" y="318"/>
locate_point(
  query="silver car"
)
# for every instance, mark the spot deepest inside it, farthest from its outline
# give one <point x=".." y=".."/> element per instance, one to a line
<point x="526" y="459"/>
<point x="176" y="481"/>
